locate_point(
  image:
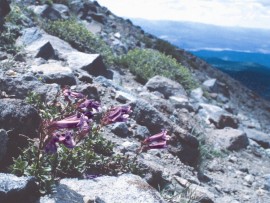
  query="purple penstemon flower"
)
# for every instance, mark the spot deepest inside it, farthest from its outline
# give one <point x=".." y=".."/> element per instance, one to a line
<point x="84" y="124"/>
<point x="51" y="146"/>
<point x="89" y="105"/>
<point x="67" y="139"/>
<point x="68" y="93"/>
<point x="61" y="138"/>
<point x="70" y="122"/>
<point x="162" y="136"/>
<point x="116" y="114"/>
<point x="157" y="141"/>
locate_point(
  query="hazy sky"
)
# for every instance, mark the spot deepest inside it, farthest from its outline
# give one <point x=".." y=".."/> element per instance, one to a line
<point x="244" y="13"/>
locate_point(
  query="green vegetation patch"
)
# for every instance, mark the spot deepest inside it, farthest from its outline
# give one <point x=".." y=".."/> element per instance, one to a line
<point x="79" y="37"/>
<point x="146" y="63"/>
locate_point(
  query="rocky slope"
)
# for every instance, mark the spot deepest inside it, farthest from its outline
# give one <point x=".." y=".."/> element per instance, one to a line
<point x="219" y="148"/>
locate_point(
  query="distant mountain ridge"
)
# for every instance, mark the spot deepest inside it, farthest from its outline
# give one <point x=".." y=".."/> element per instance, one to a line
<point x="236" y="56"/>
<point x="243" y="53"/>
<point x="199" y="36"/>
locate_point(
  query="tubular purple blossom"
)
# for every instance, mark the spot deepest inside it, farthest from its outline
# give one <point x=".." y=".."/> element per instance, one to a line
<point x="157" y="145"/>
<point x="89" y="105"/>
<point x="116" y="114"/>
<point x="63" y="138"/>
<point x="67" y="140"/>
<point x="68" y="93"/>
<point x="157" y="141"/>
<point x="157" y="137"/>
<point x="51" y="147"/>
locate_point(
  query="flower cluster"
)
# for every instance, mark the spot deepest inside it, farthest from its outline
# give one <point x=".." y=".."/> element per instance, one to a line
<point x="79" y="125"/>
<point x="116" y="114"/>
<point x="157" y="141"/>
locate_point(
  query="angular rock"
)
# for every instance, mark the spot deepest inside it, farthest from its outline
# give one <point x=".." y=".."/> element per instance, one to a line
<point x="15" y="189"/>
<point x="197" y="94"/>
<point x="46" y="52"/>
<point x="98" y="17"/>
<point x="106" y="189"/>
<point x="121" y="129"/>
<point x="109" y="83"/>
<point x="46" y="11"/>
<point x="218" y="116"/>
<point x="21" y="86"/>
<point x="157" y="100"/>
<point x="227" y="138"/>
<point x="3" y="143"/>
<point x="124" y="97"/>
<point x="55" y="73"/>
<point x="165" y="86"/>
<point x="261" y="138"/>
<point x="210" y="85"/>
<point x="92" y="63"/>
<point x="142" y="132"/>
<point x="89" y="90"/>
<point x="62" y="9"/>
<point x="34" y="38"/>
<point x="181" y="102"/>
<point x="19" y="118"/>
<point x="199" y="193"/>
<point x="182" y="144"/>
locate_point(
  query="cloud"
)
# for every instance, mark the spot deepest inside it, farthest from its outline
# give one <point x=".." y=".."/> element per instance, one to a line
<point x="248" y="13"/>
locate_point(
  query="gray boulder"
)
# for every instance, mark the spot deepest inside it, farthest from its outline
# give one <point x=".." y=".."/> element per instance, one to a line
<point x="181" y="102"/>
<point x="218" y="116"/>
<point x="182" y="143"/>
<point x="92" y="63"/>
<point x="124" y="97"/>
<point x="210" y="85"/>
<point x="17" y="117"/>
<point x="165" y="86"/>
<point x="22" y="85"/>
<point x="55" y="73"/>
<point x="227" y="138"/>
<point x="121" y="129"/>
<point x="107" y="189"/>
<point x="89" y="90"/>
<point x="261" y="138"/>
<point x="3" y="143"/>
<point x="142" y="132"/>
<point x="36" y="40"/>
<point x="33" y="39"/>
<point x="46" y="52"/>
<point x="15" y="189"/>
<point x="197" y="94"/>
<point x="51" y="12"/>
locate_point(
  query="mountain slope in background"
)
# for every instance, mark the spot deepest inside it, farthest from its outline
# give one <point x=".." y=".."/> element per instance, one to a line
<point x="199" y="36"/>
<point x="243" y="53"/>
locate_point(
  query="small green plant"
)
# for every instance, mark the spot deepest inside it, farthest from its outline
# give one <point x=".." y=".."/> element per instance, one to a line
<point x="76" y="152"/>
<point x="14" y="22"/>
<point x="146" y="63"/>
<point x="79" y="37"/>
<point x="70" y="143"/>
<point x="8" y="39"/>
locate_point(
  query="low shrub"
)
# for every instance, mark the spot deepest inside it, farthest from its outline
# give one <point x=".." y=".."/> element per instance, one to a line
<point x="146" y="63"/>
<point x="70" y="143"/>
<point x="79" y="37"/>
<point x="11" y="30"/>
